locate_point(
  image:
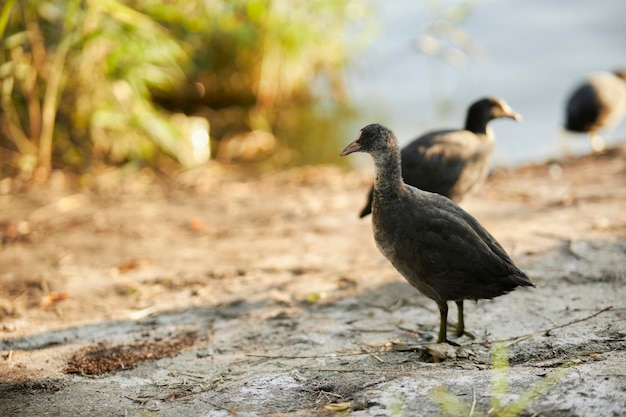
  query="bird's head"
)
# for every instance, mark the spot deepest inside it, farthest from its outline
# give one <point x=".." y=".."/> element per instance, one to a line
<point x="493" y="108"/>
<point x="372" y="139"/>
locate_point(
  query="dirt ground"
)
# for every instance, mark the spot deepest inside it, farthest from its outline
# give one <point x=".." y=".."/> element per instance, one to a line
<point x="218" y="293"/>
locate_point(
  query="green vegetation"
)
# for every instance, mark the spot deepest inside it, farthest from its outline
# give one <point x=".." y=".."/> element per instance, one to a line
<point x="91" y="82"/>
<point x="454" y="406"/>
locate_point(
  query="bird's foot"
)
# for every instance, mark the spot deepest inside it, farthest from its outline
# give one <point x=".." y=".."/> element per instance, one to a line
<point x="460" y="332"/>
<point x="598" y="145"/>
<point x="450" y="342"/>
<point x="466" y="333"/>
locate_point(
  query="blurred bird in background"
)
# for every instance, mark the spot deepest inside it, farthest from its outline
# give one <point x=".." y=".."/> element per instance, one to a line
<point x="597" y="103"/>
<point x="453" y="162"/>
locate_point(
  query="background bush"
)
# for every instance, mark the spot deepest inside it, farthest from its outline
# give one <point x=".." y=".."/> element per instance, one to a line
<point x="92" y="82"/>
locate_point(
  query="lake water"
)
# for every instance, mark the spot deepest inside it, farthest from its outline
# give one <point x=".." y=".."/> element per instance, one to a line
<point x="531" y="53"/>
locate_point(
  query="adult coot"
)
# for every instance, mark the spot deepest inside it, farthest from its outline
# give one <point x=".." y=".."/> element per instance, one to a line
<point x="453" y="162"/>
<point x="597" y="103"/>
<point x="437" y="246"/>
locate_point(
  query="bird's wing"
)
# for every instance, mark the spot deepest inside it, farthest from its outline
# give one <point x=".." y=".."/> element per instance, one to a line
<point x="453" y="252"/>
<point x="583" y="109"/>
<point x="434" y="162"/>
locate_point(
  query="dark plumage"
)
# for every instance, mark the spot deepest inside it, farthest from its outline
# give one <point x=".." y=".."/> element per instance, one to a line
<point x="453" y="162"/>
<point x="597" y="103"/>
<point x="437" y="246"/>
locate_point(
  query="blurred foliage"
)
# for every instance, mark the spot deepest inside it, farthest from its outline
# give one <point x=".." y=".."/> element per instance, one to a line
<point x="85" y="82"/>
<point x="76" y="84"/>
<point x="443" y="39"/>
<point x="450" y="47"/>
<point x="457" y="406"/>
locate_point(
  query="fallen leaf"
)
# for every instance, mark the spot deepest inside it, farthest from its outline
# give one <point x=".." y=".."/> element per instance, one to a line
<point x="337" y="407"/>
<point x="53" y="297"/>
<point x="142" y="314"/>
<point x="197" y="225"/>
<point x="130" y="266"/>
<point x="126" y="289"/>
<point x="314" y="297"/>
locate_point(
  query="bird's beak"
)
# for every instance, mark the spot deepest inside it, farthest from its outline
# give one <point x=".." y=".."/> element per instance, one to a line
<point x="515" y="116"/>
<point x="508" y="112"/>
<point x="354" y="146"/>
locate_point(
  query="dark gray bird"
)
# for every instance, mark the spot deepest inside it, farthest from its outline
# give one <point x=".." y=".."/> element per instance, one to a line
<point x="453" y="162"/>
<point x="597" y="103"/>
<point x="437" y="246"/>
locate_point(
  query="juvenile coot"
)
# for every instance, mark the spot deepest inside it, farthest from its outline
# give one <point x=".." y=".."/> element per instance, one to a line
<point x="453" y="162"/>
<point x="437" y="246"/>
<point x="597" y="103"/>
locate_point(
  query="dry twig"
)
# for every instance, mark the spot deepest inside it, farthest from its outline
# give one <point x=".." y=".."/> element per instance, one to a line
<point x="517" y="339"/>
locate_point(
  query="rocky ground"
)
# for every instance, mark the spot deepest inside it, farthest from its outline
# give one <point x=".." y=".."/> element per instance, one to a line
<point x="221" y="293"/>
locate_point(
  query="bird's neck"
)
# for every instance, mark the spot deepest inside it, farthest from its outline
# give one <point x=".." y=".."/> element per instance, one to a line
<point x="480" y="128"/>
<point x="388" y="180"/>
<point x="477" y="125"/>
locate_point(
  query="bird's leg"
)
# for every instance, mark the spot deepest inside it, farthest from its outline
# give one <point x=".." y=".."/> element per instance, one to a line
<point x="460" y="325"/>
<point x="563" y="144"/>
<point x="443" y="322"/>
<point x="597" y="143"/>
